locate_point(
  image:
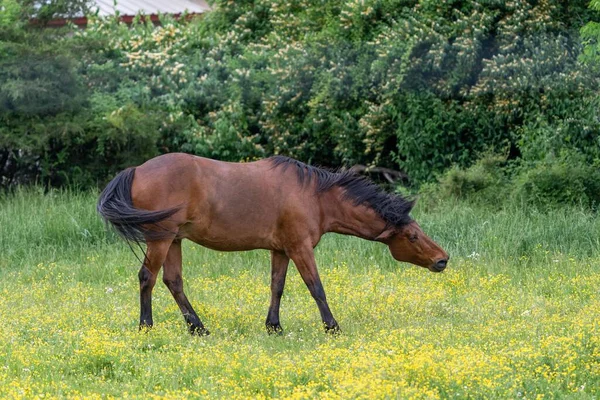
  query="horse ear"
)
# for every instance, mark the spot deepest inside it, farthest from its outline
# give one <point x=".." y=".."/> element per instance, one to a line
<point x="385" y="235"/>
<point x="411" y="204"/>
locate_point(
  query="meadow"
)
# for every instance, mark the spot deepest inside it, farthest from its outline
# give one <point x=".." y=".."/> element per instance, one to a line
<point x="515" y="315"/>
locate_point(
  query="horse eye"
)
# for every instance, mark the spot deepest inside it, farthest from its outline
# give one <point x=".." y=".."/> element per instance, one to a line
<point x="413" y="238"/>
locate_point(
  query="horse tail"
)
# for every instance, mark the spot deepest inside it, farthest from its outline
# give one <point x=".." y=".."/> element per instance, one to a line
<point x="115" y="206"/>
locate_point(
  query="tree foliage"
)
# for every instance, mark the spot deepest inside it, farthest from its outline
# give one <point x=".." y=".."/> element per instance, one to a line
<point x="591" y="37"/>
<point x="413" y="85"/>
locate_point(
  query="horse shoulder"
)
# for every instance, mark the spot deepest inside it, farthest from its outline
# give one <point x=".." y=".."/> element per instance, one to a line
<point x="299" y="223"/>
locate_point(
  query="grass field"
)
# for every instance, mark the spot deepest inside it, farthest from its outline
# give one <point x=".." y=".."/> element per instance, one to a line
<point x="516" y="314"/>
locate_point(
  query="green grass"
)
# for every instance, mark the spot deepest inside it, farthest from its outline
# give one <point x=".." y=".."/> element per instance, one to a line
<point x="514" y="316"/>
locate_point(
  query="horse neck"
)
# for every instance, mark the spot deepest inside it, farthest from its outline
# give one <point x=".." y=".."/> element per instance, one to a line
<point x="340" y="215"/>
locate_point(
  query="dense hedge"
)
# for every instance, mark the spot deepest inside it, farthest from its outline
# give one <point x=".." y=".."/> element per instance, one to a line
<point x="495" y="182"/>
<point x="412" y="85"/>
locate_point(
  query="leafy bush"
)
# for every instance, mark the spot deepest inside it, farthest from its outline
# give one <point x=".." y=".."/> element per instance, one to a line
<point x="486" y="181"/>
<point x="56" y="127"/>
<point x="591" y="37"/>
<point x="416" y="86"/>
<point x="487" y="173"/>
<point x="562" y="181"/>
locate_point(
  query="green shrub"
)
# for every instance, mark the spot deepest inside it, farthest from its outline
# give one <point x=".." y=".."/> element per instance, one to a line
<point x="559" y="182"/>
<point x="554" y="181"/>
<point x="486" y="181"/>
<point x="415" y="86"/>
<point x="590" y="33"/>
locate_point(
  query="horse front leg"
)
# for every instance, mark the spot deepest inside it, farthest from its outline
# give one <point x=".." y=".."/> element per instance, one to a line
<point x="279" y="266"/>
<point x="304" y="258"/>
<point x="155" y="257"/>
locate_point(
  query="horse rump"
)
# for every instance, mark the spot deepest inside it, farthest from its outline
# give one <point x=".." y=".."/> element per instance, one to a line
<point x="115" y="206"/>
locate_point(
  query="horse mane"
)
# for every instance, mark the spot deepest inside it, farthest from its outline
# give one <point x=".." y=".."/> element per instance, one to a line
<point x="394" y="209"/>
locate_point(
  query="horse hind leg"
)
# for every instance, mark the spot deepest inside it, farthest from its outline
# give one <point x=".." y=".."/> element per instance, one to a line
<point x="279" y="266"/>
<point x="172" y="277"/>
<point x="155" y="257"/>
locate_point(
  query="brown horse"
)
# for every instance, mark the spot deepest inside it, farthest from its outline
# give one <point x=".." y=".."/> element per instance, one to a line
<point x="278" y="204"/>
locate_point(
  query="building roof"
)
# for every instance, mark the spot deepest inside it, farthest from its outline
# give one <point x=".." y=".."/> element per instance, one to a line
<point x="149" y="7"/>
<point x="128" y="9"/>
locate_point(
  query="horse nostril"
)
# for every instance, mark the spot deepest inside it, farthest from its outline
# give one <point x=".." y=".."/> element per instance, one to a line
<point x="441" y="264"/>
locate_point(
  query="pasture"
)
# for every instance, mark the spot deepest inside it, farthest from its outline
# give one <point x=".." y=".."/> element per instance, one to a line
<point x="515" y="315"/>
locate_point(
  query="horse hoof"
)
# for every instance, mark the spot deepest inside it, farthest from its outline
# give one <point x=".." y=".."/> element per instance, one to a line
<point x="199" y="331"/>
<point x="333" y="330"/>
<point x="274" y="329"/>
<point x="145" y="328"/>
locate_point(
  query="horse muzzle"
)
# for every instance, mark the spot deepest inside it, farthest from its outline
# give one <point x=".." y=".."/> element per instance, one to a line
<point x="439" y="265"/>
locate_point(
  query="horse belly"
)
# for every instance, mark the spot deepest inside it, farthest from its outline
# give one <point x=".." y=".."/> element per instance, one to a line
<point x="237" y="234"/>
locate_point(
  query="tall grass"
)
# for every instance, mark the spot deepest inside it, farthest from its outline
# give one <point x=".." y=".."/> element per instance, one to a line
<point x="63" y="224"/>
<point x="34" y="223"/>
<point x="514" y="315"/>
